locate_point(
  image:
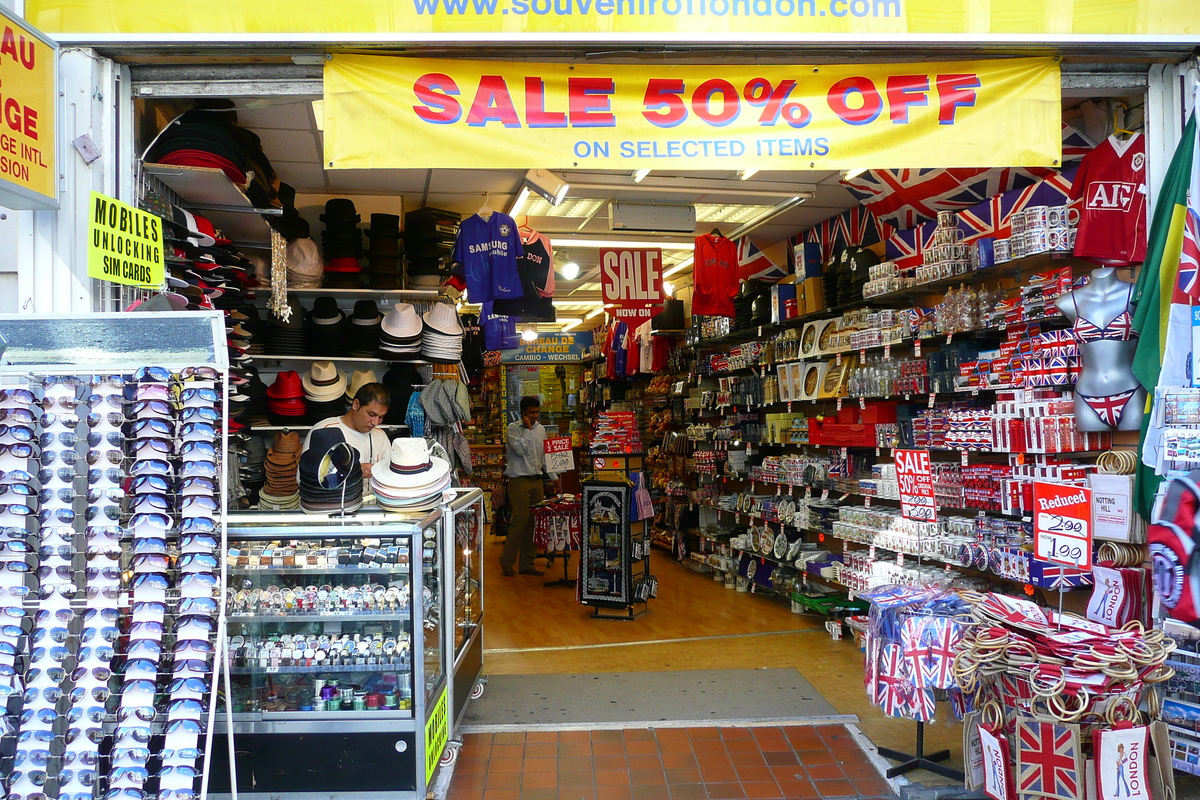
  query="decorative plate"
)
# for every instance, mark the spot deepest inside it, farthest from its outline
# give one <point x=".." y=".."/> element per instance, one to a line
<point x="781" y="545"/>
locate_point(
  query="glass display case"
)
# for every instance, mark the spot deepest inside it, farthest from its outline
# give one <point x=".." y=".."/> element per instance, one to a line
<point x="336" y="654"/>
<point x="465" y="515"/>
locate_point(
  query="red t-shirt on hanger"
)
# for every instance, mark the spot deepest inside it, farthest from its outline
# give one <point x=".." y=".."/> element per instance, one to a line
<point x="714" y="276"/>
<point x="1112" y="217"/>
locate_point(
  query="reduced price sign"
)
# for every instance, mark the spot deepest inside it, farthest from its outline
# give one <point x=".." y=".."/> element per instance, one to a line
<point x="915" y="476"/>
<point x="559" y="457"/>
<point x="1062" y="524"/>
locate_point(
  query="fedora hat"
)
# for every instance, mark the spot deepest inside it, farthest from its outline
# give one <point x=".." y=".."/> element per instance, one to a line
<point x="324" y="381"/>
<point x="402" y="322"/>
<point x="443" y="319"/>
<point x="358" y="379"/>
<point x="287" y="386"/>
<point x="286" y="442"/>
<point x="409" y="467"/>
<point x="326" y="312"/>
<point x="366" y="313"/>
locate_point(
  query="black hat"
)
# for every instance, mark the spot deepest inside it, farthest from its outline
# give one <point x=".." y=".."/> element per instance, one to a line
<point x="384" y="225"/>
<point x="340" y="209"/>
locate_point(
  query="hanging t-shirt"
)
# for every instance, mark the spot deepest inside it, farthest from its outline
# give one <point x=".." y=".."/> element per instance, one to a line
<point x="662" y="353"/>
<point x="487" y="251"/>
<point x="499" y="332"/>
<point x="715" y="276"/>
<point x="1111" y="181"/>
<point x="472" y="350"/>
<point x="645" y="340"/>
<point x="536" y="269"/>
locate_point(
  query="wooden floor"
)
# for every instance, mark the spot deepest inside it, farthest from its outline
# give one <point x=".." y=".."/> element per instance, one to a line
<point x="694" y="623"/>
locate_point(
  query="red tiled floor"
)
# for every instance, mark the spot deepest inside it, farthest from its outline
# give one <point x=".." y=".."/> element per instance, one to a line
<point x="705" y="763"/>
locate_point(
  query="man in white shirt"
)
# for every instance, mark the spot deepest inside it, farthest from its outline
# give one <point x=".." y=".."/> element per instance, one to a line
<point x="361" y="426"/>
<point x="524" y="468"/>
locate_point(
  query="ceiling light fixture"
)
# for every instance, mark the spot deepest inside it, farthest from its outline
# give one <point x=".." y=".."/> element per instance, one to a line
<point x="529" y="332"/>
<point x="662" y="245"/>
<point x="851" y="174"/>
<point x="668" y="289"/>
<point x="570" y="268"/>
<point x="548" y="185"/>
<point x="518" y="205"/>
<point x="747" y="174"/>
<point x="597" y="311"/>
<point x="569" y="322"/>
<point x="640" y="174"/>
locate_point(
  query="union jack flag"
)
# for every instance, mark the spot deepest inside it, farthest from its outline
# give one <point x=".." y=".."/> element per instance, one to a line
<point x="1075" y="145"/>
<point x="753" y="264"/>
<point x="993" y="217"/>
<point x="907" y="248"/>
<point x="1048" y="761"/>
<point x="1189" y="259"/>
<point x="903" y="198"/>
<point x="826" y="234"/>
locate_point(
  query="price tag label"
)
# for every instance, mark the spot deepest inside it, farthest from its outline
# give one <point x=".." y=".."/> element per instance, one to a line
<point x="963" y="457"/>
<point x="915" y="479"/>
<point x="272" y="669"/>
<point x="839" y="404"/>
<point x="975" y="390"/>
<point x="949" y="338"/>
<point x="862" y="355"/>
<point x="845" y="546"/>
<point x="932" y="400"/>
<point x="807" y="492"/>
<point x="824" y="494"/>
<point x="837" y="359"/>
<point x="760" y="331"/>
<point x="862" y="403"/>
<point x="845" y="452"/>
<point x="867" y="501"/>
<point x="907" y="397"/>
<point x="871" y="552"/>
<point x="1062" y="524"/>
<point x="778" y="490"/>
<point x="917" y="348"/>
<point x="887" y="352"/>
<point x="899" y="559"/>
<point x="878" y="452"/>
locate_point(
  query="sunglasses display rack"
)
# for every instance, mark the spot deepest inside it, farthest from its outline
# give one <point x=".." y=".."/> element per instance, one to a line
<point x="141" y="450"/>
<point x="111" y="521"/>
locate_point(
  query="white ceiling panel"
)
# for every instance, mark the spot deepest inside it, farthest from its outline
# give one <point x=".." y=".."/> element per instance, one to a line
<point x="292" y="145"/>
<point x="275" y="114"/>
<point x="306" y="177"/>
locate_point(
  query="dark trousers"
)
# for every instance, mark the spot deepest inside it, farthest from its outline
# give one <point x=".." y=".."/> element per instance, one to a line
<point x="522" y="494"/>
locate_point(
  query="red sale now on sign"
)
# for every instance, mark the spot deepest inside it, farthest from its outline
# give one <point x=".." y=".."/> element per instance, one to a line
<point x="632" y="281"/>
<point x="914" y="473"/>
<point x="1062" y="524"/>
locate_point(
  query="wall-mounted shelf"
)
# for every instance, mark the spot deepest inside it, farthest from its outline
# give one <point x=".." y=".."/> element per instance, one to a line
<point x="209" y="191"/>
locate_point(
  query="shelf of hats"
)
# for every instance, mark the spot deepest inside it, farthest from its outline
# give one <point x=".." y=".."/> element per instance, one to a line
<point x="303" y="345"/>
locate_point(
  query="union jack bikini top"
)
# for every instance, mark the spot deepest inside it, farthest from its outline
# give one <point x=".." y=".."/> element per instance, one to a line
<point x="1119" y="330"/>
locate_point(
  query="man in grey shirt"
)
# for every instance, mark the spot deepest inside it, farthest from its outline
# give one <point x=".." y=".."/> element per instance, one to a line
<point x="524" y="469"/>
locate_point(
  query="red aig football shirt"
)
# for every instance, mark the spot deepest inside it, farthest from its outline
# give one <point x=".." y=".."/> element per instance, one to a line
<point x="1112" y="185"/>
<point x="715" y="276"/>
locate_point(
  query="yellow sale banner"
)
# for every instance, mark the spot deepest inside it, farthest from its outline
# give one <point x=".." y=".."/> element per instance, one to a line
<point x="390" y="112"/>
<point x="823" y="21"/>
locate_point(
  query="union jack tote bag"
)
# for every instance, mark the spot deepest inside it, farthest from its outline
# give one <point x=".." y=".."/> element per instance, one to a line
<point x="1049" y="761"/>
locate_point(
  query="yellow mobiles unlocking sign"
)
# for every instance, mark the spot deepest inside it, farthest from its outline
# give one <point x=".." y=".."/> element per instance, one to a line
<point x="487" y="114"/>
<point x="353" y="21"/>
<point x="28" y="100"/>
<point x="125" y="244"/>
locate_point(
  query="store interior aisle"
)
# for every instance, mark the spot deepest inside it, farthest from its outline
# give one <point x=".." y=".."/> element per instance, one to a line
<point x="695" y="623"/>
